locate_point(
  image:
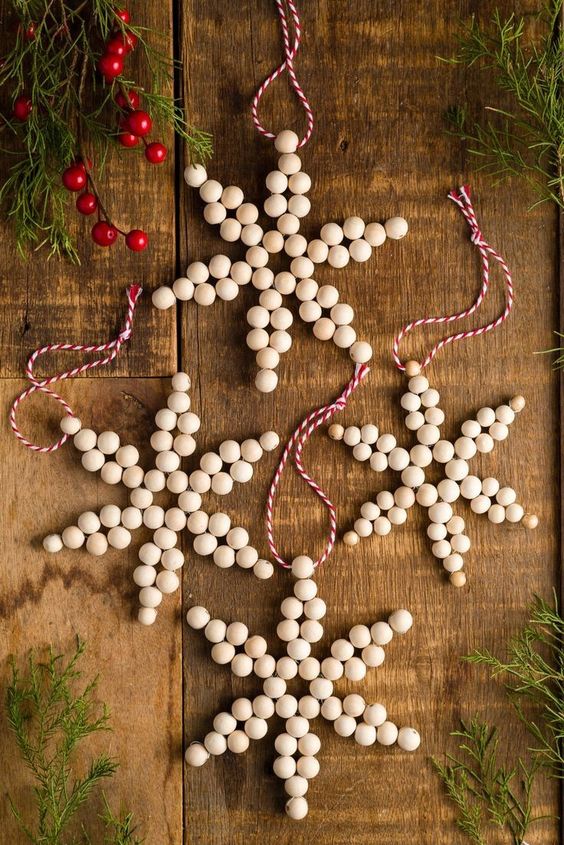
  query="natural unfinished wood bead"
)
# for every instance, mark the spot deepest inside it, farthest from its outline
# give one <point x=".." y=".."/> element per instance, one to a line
<point x="396" y="228"/>
<point x="195" y="175"/>
<point x="286" y="141"/>
<point x="458" y="578"/>
<point x="530" y="520"/>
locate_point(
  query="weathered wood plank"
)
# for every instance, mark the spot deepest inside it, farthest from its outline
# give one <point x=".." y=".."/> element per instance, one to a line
<point x="379" y="149"/>
<point x="50" y="301"/>
<point x="53" y="598"/>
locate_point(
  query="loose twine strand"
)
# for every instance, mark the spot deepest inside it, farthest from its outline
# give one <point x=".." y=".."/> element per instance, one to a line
<point x="290" y="50"/>
<point x="42" y="385"/>
<point x="294" y="450"/>
<point x="463" y="201"/>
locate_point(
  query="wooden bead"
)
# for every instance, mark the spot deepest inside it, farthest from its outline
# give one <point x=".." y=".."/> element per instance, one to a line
<point x="163" y="298"/>
<point x="119" y="537"/>
<point x="241" y="273"/>
<point x="332" y="669"/>
<point x="530" y="520"/>
<point x="297" y="726"/>
<point x="252" y="234"/>
<point x="196" y="755"/>
<point x="215" y="743"/>
<point x="149" y="596"/>
<point x="263" y="706"/>
<point x="302" y="267"/>
<point x="336" y="431"/>
<point x="365" y="734"/>
<point x="195" y="175"/>
<point x="146" y="615"/>
<point x="382" y="633"/>
<point x="52" y="543"/>
<point x="263" y="569"/>
<point x="276" y="182"/>
<point x="324" y="328"/>
<point x="92" y="460"/>
<point x="214" y="213"/>
<point x="318" y="251"/>
<point x="205" y="294"/>
<point x="70" y="425"/>
<point x="232" y="197"/>
<point x="144" y="576"/>
<point x="211" y="190"/>
<point x="396" y="228"/>
<point x="310" y="311"/>
<point x="275" y="205"/>
<point x="375" y="715"/>
<point x="286" y="745"/>
<point x="237" y="538"/>
<point x="204" y="544"/>
<point x="286" y="141"/>
<point x="256" y="256"/>
<point x="281" y="318"/>
<point x="297" y="808"/>
<point x="197" y="522"/>
<point x="88" y="522"/>
<point x="517" y="403"/>
<point x="284" y="767"/>
<point x="309" y="745"/>
<point x="327" y="296"/>
<point x="355" y="669"/>
<point x="408" y="739"/>
<point x="309" y="668"/>
<point x="344" y="725"/>
<point x="238" y="742"/>
<point x="286" y="668"/>
<point x="373" y="655"/>
<point x="269" y="441"/>
<point x="224" y="557"/>
<point x="255" y="646"/>
<point x="400" y="621"/>
<point x="300" y="206"/>
<point x="350" y="538"/>
<point x="266" y="381"/>
<point x="341" y="313"/>
<point x="338" y="256"/>
<point x="172" y="559"/>
<point x="305" y="589"/>
<point x="331" y="708"/>
<point x="361" y="352"/>
<point x="514" y="512"/>
<point x="255" y="728"/>
<point x="227" y="290"/>
<point x="73" y="537"/>
<point x="299" y="183"/>
<point x="289" y="163"/>
<point x="387" y="733"/>
<point x="302" y="567"/>
<point x="273" y="686"/>
<point x="285" y="283"/>
<point x="308" y="767"/>
<point x="360" y="250"/>
<point x="342" y="650"/>
<point x="197" y="272"/>
<point x="288" y="224"/>
<point x="458" y="578"/>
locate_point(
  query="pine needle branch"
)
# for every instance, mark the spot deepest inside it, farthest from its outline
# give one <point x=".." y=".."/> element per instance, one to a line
<point x="50" y="718"/>
<point x="527" y="139"/>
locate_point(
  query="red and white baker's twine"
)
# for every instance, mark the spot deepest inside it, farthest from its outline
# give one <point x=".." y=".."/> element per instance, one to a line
<point x="294" y="449"/>
<point x="113" y="346"/>
<point x="290" y="50"/>
<point x="462" y="199"/>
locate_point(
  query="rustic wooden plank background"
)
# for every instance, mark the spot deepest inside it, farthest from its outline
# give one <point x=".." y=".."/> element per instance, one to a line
<point x="379" y="149"/>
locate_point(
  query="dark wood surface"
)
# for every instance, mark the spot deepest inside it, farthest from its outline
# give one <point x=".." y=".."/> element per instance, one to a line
<point x="379" y="149"/>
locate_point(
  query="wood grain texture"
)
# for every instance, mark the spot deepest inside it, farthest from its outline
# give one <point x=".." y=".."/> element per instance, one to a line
<point x="45" y="301"/>
<point x="379" y="149"/>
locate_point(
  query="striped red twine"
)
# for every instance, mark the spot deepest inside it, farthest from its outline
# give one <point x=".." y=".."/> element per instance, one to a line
<point x="290" y="50"/>
<point x="113" y="347"/>
<point x="462" y="199"/>
<point x="294" y="449"/>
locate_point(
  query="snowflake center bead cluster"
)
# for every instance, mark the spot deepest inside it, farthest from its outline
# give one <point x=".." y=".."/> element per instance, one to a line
<point x="270" y="320"/>
<point x="300" y="628"/>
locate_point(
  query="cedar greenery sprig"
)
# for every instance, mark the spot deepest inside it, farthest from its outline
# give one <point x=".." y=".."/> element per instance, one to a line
<point x="63" y="109"/>
<point x="484" y="791"/>
<point x="535" y="670"/>
<point x="49" y="720"/>
<point x="527" y="138"/>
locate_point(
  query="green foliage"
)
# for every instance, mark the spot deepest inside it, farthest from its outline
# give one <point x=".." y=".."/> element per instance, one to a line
<point x="527" y="138"/>
<point x="535" y="669"/>
<point x="485" y="791"/>
<point x="74" y="113"/>
<point x="49" y="720"/>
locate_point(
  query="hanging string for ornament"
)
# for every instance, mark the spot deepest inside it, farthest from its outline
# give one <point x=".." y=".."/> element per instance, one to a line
<point x="42" y="385"/>
<point x="291" y="48"/>
<point x="463" y="201"/>
<point x="294" y="450"/>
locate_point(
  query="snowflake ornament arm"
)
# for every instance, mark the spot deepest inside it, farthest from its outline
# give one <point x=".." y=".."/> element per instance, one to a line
<point x="446" y="530"/>
<point x="299" y="629"/>
<point x="269" y="336"/>
<point x="173" y="439"/>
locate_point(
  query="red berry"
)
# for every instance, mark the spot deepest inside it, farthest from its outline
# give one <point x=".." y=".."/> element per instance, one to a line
<point x="86" y="203"/>
<point x="156" y="152"/>
<point x="74" y="177"/>
<point x="137" y="240"/>
<point x="104" y="234"/>
<point x="128" y="100"/>
<point x="130" y="42"/>
<point x="127" y="139"/>
<point x="123" y="15"/>
<point x="116" y="46"/>
<point x="22" y="108"/>
<point x="139" y="122"/>
<point x="29" y="32"/>
<point x="110" y="66"/>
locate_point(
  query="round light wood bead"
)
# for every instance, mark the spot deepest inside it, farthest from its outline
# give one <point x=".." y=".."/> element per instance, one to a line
<point x="305" y="589"/>
<point x="373" y="655"/>
<point x="73" y="537"/>
<point x="396" y="228"/>
<point x="266" y="381"/>
<point x="215" y="743"/>
<point x="360" y="250"/>
<point x="299" y="205"/>
<point x="215" y="213"/>
<point x="211" y="191"/>
<point x="318" y="251"/>
<point x="70" y="425"/>
<point x="299" y="183"/>
<point x="517" y="403"/>
<point x="286" y="141"/>
<point x="400" y="621"/>
<point x="302" y="267"/>
<point x="327" y="296"/>
<point x="302" y="567"/>
<point x="146" y="615"/>
<point x="408" y="739"/>
<point x="288" y="224"/>
<point x="365" y="734"/>
<point x="480" y="504"/>
<point x="344" y="337"/>
<point x="387" y="733"/>
<point x="163" y="298"/>
<point x="338" y="256"/>
<point x="281" y="341"/>
<point x="52" y="543"/>
<point x="144" y="576"/>
<point x="267" y="358"/>
<point x="237" y="538"/>
<point x="361" y="352"/>
<point x="257" y="256"/>
<point x="285" y="283"/>
<point x="285" y="745"/>
<point x="342" y="650"/>
<point x="310" y="311"/>
<point x="275" y="205"/>
<point x="530" y="520"/>
<point x="197" y="272"/>
<point x="351" y="538"/>
<point x="195" y="175"/>
<point x="241" y="273"/>
<point x="381" y="632"/>
<point x="332" y="669"/>
<point x="297" y="808"/>
<point x="269" y="441"/>
<point x="375" y="715"/>
<point x="252" y="234"/>
<point x="514" y="512"/>
<point x="458" y="578"/>
<point x="196" y="754"/>
<point x="232" y="197"/>
<point x="263" y="570"/>
<point x="149" y="554"/>
<point x="255" y="728"/>
<point x="295" y="245"/>
<point x="204" y="294"/>
<point x="309" y="707"/>
<point x="276" y="182"/>
<point x="149" y="596"/>
<point x="273" y="686"/>
<point x="324" y="328"/>
<point x="289" y="163"/>
<point x="284" y="767"/>
<point x="336" y="431"/>
<point x="355" y="669"/>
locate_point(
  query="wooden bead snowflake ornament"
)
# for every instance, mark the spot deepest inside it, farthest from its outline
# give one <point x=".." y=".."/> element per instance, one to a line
<point x="300" y="628"/>
<point x="478" y="435"/>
